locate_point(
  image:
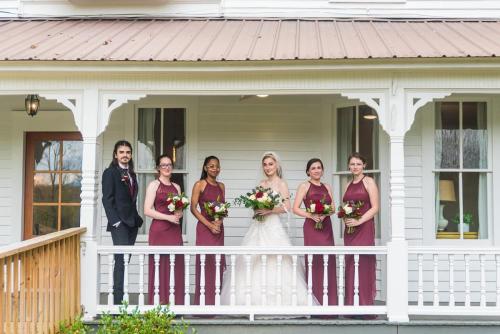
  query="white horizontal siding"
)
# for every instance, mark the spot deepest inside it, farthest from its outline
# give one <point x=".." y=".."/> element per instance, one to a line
<point x="266" y="8"/>
<point x="9" y="8"/>
<point x="240" y="133"/>
<point x="6" y="185"/>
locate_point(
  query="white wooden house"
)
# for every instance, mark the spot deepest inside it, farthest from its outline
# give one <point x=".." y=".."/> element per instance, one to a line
<point x="426" y="71"/>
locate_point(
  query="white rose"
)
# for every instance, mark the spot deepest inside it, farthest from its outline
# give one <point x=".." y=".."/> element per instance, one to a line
<point x="185" y="200"/>
<point x="265" y="195"/>
<point x="252" y="197"/>
<point x="217" y="209"/>
<point x="262" y="199"/>
<point x="313" y="207"/>
<point x="171" y="207"/>
<point x="348" y="209"/>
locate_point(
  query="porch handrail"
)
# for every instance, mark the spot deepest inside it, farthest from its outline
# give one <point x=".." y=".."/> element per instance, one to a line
<point x="40" y="282"/>
<point x="244" y="250"/>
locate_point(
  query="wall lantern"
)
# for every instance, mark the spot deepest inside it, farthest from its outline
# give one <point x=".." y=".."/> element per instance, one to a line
<point x="32" y="102"/>
<point x="370" y="116"/>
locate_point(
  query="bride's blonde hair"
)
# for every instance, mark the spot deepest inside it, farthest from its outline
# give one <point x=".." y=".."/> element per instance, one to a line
<point x="276" y="158"/>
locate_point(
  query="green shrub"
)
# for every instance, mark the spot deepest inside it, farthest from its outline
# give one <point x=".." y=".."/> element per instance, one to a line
<point x="76" y="327"/>
<point x="158" y="320"/>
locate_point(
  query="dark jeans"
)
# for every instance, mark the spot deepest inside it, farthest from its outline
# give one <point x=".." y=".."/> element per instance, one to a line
<point x="121" y="235"/>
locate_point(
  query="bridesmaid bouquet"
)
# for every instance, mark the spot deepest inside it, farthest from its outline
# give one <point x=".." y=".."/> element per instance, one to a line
<point x="320" y="207"/>
<point x="177" y="202"/>
<point x="217" y="210"/>
<point x="350" y="209"/>
<point x="260" y="198"/>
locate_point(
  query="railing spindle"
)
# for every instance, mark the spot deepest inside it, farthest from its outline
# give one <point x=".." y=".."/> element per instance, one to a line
<point x="451" y="261"/>
<point x="279" y="284"/>
<point x="110" y="279"/>
<point x="435" y="261"/>
<point x="263" y="284"/>
<point x="126" y="257"/>
<point x="248" y="280"/>
<point x="172" y="279"/>
<point x="294" y="280"/>
<point x="356" y="279"/>
<point x="467" y="280"/>
<point x="309" y="259"/>
<point x="217" y="278"/>
<point x="141" y="279"/>
<point x="420" y="258"/>
<point x="202" y="279"/>
<point x="187" y="299"/>
<point x="341" y="279"/>
<point x="156" y="297"/>
<point x="233" y="280"/>
<point x="497" y="262"/>
<point x="482" y="259"/>
<point x="325" y="279"/>
<point x="3" y="297"/>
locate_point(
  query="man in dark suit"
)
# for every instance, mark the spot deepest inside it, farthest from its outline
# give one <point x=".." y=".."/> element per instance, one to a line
<point x="119" y="197"/>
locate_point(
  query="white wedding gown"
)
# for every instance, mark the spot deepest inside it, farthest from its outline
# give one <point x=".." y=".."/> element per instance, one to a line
<point x="266" y="234"/>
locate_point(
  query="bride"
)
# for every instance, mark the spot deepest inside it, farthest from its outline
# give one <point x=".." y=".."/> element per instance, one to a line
<point x="267" y="233"/>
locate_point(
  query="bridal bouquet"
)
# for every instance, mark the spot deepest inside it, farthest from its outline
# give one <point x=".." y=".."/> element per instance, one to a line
<point x="216" y="209"/>
<point x="350" y="209"/>
<point x="320" y="207"/>
<point x="177" y="202"/>
<point x="260" y="198"/>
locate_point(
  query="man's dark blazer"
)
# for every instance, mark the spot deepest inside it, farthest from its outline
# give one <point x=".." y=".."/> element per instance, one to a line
<point x="119" y="204"/>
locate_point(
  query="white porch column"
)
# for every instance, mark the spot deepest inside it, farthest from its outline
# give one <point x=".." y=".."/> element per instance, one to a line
<point x="397" y="248"/>
<point x="91" y="168"/>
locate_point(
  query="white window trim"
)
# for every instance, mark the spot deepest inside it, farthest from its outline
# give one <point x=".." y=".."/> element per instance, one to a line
<point x="429" y="170"/>
<point x="382" y="174"/>
<point x="191" y="110"/>
<point x="367" y="1"/>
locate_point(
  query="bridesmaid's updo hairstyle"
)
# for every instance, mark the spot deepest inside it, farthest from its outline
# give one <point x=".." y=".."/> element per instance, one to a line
<point x="204" y="173"/>
<point x="275" y="157"/>
<point x="158" y="159"/>
<point x="357" y="156"/>
<point x="312" y="161"/>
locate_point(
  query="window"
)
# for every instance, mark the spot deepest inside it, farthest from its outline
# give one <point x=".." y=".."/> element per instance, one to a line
<point x="53" y="176"/>
<point x="358" y="131"/>
<point x="461" y="170"/>
<point x="159" y="130"/>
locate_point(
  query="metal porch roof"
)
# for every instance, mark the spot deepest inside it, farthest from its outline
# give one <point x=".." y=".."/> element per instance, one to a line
<point x="165" y="40"/>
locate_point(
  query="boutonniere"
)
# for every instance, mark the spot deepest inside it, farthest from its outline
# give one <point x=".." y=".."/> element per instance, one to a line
<point x="125" y="177"/>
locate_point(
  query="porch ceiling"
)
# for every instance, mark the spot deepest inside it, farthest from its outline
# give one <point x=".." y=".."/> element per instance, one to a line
<point x="215" y="39"/>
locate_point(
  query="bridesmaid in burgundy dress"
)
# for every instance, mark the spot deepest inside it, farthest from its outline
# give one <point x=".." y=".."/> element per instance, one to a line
<point x="209" y="232"/>
<point x="314" y="190"/>
<point x="165" y="230"/>
<point x="361" y="188"/>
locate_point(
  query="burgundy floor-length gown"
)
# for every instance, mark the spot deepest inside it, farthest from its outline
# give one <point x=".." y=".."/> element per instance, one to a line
<point x="165" y="233"/>
<point x="363" y="235"/>
<point x="324" y="237"/>
<point x="204" y="237"/>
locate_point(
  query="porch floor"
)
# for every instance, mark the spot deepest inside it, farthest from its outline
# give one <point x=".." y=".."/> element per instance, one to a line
<point x="420" y="325"/>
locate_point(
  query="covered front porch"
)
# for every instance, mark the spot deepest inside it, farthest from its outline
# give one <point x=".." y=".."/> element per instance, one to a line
<point x="415" y="278"/>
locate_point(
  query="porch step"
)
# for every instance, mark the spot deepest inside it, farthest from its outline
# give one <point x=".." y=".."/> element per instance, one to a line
<point x="340" y="326"/>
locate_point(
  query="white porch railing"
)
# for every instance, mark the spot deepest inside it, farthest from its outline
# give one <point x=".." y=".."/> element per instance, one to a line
<point x="455" y="281"/>
<point x="297" y="254"/>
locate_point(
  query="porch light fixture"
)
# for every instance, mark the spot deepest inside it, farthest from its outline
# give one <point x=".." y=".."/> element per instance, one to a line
<point x="370" y="116"/>
<point x="262" y="95"/>
<point x="31" y="102"/>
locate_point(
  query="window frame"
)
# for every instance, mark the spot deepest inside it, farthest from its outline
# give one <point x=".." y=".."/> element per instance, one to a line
<point x="430" y="170"/>
<point x="380" y="171"/>
<point x="187" y="171"/>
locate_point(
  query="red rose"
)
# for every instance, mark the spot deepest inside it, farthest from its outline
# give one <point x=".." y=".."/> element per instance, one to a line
<point x="169" y="201"/>
<point x="259" y="194"/>
<point x="320" y="207"/>
<point x="341" y="214"/>
<point x="178" y="205"/>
